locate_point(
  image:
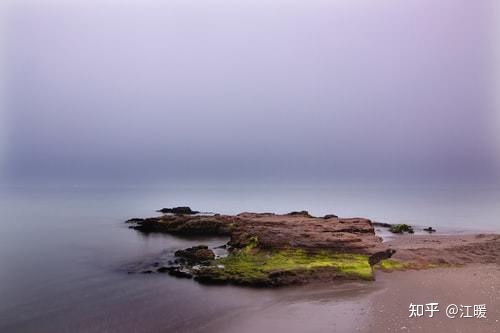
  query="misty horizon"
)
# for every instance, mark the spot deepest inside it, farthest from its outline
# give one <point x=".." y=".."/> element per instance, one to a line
<point x="255" y="91"/>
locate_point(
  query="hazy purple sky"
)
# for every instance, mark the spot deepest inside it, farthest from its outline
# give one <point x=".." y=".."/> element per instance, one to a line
<point x="248" y="89"/>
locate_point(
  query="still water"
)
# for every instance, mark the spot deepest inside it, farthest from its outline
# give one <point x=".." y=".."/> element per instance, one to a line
<point x="65" y="254"/>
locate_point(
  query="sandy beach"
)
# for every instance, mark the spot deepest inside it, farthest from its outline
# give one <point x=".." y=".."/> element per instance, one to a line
<point x="380" y="306"/>
<point x="469" y="285"/>
<point x="473" y="278"/>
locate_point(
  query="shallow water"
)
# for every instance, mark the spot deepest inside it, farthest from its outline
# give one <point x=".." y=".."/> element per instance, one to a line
<point x="65" y="254"/>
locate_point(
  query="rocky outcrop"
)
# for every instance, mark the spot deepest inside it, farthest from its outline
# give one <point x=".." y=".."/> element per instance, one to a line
<point x="274" y="231"/>
<point x="267" y="249"/>
<point x="186" y="225"/>
<point x="196" y="254"/>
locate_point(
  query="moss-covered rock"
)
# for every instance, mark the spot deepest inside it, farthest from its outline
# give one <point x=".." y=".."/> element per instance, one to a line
<point x="393" y="265"/>
<point x="390" y="265"/>
<point x="401" y="228"/>
<point x="257" y="267"/>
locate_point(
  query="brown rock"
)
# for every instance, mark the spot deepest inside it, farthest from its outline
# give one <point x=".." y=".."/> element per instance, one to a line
<point x="196" y="254"/>
<point x="268" y="230"/>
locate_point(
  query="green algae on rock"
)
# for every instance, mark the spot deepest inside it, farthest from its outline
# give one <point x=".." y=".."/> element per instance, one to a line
<point x="401" y="228"/>
<point x="390" y="265"/>
<point x="254" y="266"/>
<point x="393" y="265"/>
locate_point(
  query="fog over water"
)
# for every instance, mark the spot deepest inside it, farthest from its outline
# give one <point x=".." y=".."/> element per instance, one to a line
<point x="255" y="91"/>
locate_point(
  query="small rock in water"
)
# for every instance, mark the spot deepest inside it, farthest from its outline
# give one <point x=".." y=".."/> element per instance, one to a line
<point x="382" y="224"/>
<point x="178" y="211"/>
<point x="199" y="253"/>
<point x="401" y="228"/>
<point x="163" y="269"/>
<point x="180" y="273"/>
<point x="303" y="213"/>
<point x="134" y="220"/>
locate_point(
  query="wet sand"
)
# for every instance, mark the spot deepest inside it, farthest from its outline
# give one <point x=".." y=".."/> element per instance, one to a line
<point x="468" y="285"/>
<point x="473" y="278"/>
<point x="340" y="307"/>
<point x="381" y="306"/>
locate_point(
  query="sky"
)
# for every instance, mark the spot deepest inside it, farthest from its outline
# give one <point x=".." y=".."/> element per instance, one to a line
<point x="143" y="91"/>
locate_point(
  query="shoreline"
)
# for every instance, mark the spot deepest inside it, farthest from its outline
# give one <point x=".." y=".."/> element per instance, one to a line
<point x="472" y="284"/>
<point x="471" y="278"/>
<point x="379" y="306"/>
<point x="388" y="236"/>
<point x="470" y="275"/>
